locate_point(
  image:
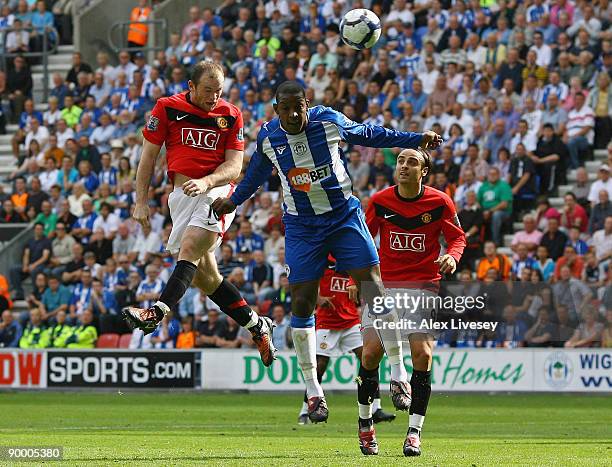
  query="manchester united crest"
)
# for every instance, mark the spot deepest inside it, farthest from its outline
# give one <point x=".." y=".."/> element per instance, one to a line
<point x="222" y="123"/>
<point x="323" y="345"/>
<point x="426" y="218"/>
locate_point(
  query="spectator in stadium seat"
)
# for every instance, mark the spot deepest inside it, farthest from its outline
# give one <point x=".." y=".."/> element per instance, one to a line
<point x="600" y="100"/>
<point x="34" y="335"/>
<point x="61" y="248"/>
<point x="55" y="298"/>
<point x="10" y="330"/>
<point x="228" y="263"/>
<point x="544" y="264"/>
<point x="259" y="274"/>
<point x="571" y="292"/>
<point x="573" y="215"/>
<point x="18" y="40"/>
<point x="588" y="332"/>
<point x="523" y="180"/>
<point x="495" y="198"/>
<point x="83" y="227"/>
<point x="187" y="337"/>
<point x="471" y="219"/>
<point x="579" y="131"/>
<point x="84" y="333"/>
<point x="602" y="241"/>
<point x="81" y="295"/>
<point x="8" y="214"/>
<point x="228" y="337"/>
<point x="553" y="239"/>
<point x="511" y="332"/>
<point x="147" y="243"/>
<point x="73" y="268"/>
<point x="530" y="236"/>
<point x="209" y="330"/>
<point x="18" y="85"/>
<point x="150" y="289"/>
<point x="247" y="238"/>
<point x="48" y="218"/>
<point x="606" y="335"/>
<point x="238" y="278"/>
<point x="102" y="134"/>
<point x="574" y="240"/>
<point x="281" y="331"/>
<point x="78" y="66"/>
<point x="71" y="112"/>
<point x="603" y="182"/>
<point x="35" y="257"/>
<point x="549" y="157"/>
<point x="571" y="260"/>
<point x="60" y="90"/>
<point x="599" y="212"/>
<point x="500" y="263"/>
<point x="103" y="305"/>
<point x="520" y="262"/>
<point x="542" y="333"/>
<point x="564" y="325"/>
<point x="124" y="243"/>
<point x="101" y="247"/>
<point x="35" y="198"/>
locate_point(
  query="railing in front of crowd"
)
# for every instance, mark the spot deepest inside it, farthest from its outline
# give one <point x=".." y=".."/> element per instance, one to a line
<point x="49" y="47"/>
<point x="122" y="28"/>
<point x="13" y="238"/>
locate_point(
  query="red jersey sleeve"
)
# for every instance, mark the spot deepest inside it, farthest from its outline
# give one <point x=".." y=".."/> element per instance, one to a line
<point x="235" y="138"/>
<point x="451" y="228"/>
<point x="372" y="219"/>
<point x="156" y="129"/>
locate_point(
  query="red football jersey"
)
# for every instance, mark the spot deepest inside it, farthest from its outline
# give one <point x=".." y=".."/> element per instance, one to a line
<point x="410" y="233"/>
<point x="195" y="140"/>
<point x="345" y="314"/>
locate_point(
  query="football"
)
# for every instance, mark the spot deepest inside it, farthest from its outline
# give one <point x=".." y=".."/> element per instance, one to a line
<point x="360" y="28"/>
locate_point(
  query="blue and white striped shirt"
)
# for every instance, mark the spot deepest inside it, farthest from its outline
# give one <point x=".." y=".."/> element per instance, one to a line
<point x="310" y="164"/>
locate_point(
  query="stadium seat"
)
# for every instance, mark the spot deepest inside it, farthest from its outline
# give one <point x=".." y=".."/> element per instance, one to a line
<point x="108" y="341"/>
<point x="124" y="341"/>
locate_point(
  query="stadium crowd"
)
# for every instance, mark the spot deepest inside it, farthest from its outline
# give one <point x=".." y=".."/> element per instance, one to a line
<point x="520" y="91"/>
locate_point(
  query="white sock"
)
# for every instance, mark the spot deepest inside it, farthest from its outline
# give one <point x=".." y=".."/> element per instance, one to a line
<point x="416" y="421"/>
<point x="396" y="361"/>
<point x="162" y="306"/>
<point x="376" y="405"/>
<point x="304" y="410"/>
<point x="365" y="411"/>
<point x="253" y="320"/>
<point x="305" y="342"/>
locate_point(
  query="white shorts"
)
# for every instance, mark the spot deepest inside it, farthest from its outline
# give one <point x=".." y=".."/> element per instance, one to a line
<point x="332" y="342"/>
<point x="415" y="316"/>
<point x="197" y="211"/>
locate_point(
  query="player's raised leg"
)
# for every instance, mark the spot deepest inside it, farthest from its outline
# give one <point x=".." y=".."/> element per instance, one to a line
<point x="227" y="297"/>
<point x="378" y="414"/>
<point x="303" y="301"/>
<point x="421" y="348"/>
<point x="371" y="288"/>
<point x="322" y="362"/>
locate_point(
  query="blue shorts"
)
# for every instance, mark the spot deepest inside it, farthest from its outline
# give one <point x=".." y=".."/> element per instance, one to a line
<point x="309" y="240"/>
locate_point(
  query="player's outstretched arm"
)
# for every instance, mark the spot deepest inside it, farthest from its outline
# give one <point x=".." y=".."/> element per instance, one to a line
<point x="258" y="171"/>
<point x="225" y="173"/>
<point x="144" y="174"/>
<point x="376" y="136"/>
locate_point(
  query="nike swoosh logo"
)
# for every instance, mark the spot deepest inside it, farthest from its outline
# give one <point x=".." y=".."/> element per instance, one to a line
<point x="181" y="117"/>
<point x="388" y="216"/>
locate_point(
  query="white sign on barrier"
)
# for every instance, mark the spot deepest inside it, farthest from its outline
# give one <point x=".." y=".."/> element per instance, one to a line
<point x="452" y="370"/>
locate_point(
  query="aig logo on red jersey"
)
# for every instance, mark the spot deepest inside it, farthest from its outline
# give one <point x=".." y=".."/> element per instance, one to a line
<point x="339" y="284"/>
<point x="302" y="178"/>
<point x="200" y="138"/>
<point x="401" y="241"/>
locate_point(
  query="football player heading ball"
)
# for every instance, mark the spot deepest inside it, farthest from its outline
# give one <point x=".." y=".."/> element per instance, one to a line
<point x="204" y="142"/>
<point x="321" y="215"/>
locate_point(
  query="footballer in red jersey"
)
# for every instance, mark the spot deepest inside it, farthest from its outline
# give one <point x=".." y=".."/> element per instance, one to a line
<point x="203" y="135"/>
<point x="338" y="332"/>
<point x="409" y="219"/>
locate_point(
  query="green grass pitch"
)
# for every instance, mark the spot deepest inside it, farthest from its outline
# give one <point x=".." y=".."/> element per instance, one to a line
<point x="260" y="429"/>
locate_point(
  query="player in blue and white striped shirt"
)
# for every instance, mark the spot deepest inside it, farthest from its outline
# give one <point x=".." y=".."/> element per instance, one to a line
<point x="321" y="214"/>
